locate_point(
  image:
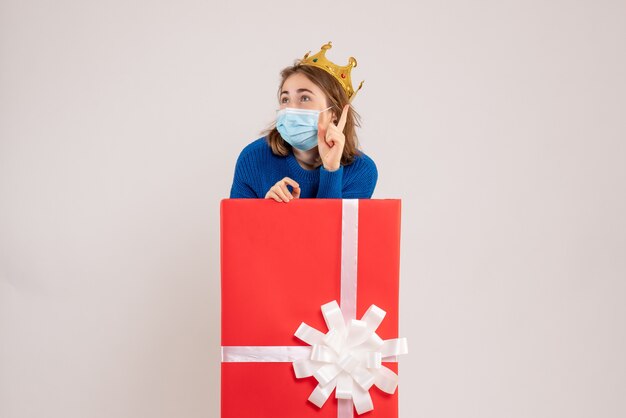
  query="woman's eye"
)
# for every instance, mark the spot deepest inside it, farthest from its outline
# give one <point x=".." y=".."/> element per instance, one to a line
<point x="284" y="100"/>
<point x="305" y="98"/>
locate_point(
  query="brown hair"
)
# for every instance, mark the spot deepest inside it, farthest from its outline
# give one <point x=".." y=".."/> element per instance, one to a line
<point x="337" y="98"/>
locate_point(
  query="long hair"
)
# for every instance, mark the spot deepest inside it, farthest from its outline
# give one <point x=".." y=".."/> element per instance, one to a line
<point x="337" y="98"/>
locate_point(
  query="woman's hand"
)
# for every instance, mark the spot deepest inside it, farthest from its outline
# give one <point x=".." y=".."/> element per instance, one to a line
<point x="280" y="193"/>
<point x="331" y="140"/>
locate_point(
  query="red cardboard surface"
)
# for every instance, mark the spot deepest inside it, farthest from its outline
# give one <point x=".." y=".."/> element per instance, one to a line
<point x="280" y="262"/>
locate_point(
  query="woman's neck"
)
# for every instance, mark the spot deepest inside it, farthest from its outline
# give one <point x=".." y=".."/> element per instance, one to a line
<point x="309" y="160"/>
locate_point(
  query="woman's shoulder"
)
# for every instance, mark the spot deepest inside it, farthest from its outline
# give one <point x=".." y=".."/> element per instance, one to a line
<point x="360" y="177"/>
<point x="259" y="145"/>
<point x="362" y="162"/>
<point x="257" y="150"/>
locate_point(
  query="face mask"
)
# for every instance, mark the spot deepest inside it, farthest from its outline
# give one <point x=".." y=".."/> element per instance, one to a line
<point x="298" y="126"/>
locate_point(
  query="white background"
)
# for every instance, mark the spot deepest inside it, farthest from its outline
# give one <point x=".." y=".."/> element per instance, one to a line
<point x="500" y="124"/>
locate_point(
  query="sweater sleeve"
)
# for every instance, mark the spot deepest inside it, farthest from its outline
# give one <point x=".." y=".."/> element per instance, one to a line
<point x="331" y="183"/>
<point x="356" y="181"/>
<point x="361" y="182"/>
<point x="243" y="180"/>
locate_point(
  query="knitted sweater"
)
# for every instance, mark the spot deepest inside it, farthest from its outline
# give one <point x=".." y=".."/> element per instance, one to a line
<point x="258" y="169"/>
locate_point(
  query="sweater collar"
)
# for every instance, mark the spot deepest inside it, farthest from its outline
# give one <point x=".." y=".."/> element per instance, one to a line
<point x="310" y="176"/>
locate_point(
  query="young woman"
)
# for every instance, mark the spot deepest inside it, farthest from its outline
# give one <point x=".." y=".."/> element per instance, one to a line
<point x="312" y="147"/>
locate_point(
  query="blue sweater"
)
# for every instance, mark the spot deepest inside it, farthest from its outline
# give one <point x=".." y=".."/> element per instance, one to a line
<point x="258" y="169"/>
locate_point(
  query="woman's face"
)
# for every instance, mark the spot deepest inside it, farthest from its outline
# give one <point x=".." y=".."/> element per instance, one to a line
<point x="300" y="92"/>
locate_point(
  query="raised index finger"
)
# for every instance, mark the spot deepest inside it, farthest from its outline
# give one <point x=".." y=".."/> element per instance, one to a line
<point x="344" y="117"/>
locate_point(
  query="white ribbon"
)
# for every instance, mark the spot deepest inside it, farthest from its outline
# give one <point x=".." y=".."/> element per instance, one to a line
<point x="264" y="354"/>
<point x="349" y="256"/>
<point x="347" y="359"/>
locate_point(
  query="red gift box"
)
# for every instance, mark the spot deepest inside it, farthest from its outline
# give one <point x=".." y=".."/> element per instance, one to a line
<point x="280" y="262"/>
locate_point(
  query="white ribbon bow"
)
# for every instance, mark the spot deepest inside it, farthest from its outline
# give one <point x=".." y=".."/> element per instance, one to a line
<point x="349" y="358"/>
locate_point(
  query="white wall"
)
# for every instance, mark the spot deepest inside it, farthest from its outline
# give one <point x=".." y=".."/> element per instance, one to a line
<point x="501" y="125"/>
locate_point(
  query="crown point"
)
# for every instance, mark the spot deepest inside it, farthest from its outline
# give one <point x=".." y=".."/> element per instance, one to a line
<point x="341" y="74"/>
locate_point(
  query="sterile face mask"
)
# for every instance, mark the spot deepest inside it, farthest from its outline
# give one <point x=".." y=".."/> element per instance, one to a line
<point x="299" y="126"/>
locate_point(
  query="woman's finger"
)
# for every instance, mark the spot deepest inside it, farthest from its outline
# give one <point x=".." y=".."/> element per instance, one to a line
<point x="343" y="118"/>
<point x="330" y="134"/>
<point x="271" y="195"/>
<point x="291" y="182"/>
<point x="279" y="192"/>
<point x="322" y="125"/>
<point x="296" y="187"/>
<point x="285" y="190"/>
<point x="334" y="136"/>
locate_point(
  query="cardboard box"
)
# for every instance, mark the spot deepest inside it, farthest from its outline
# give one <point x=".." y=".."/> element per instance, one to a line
<point x="280" y="263"/>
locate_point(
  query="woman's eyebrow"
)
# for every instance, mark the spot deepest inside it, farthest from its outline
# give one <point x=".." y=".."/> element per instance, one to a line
<point x="297" y="91"/>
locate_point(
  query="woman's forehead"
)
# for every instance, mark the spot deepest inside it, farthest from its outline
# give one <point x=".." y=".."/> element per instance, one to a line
<point x="299" y="81"/>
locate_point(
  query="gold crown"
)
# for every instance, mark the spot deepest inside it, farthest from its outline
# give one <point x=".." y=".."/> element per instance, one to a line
<point x="341" y="74"/>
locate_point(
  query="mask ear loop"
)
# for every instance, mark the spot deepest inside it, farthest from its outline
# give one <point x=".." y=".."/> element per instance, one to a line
<point x="329" y="107"/>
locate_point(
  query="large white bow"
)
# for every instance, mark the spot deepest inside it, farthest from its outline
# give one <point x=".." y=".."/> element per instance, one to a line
<point x="348" y="357"/>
